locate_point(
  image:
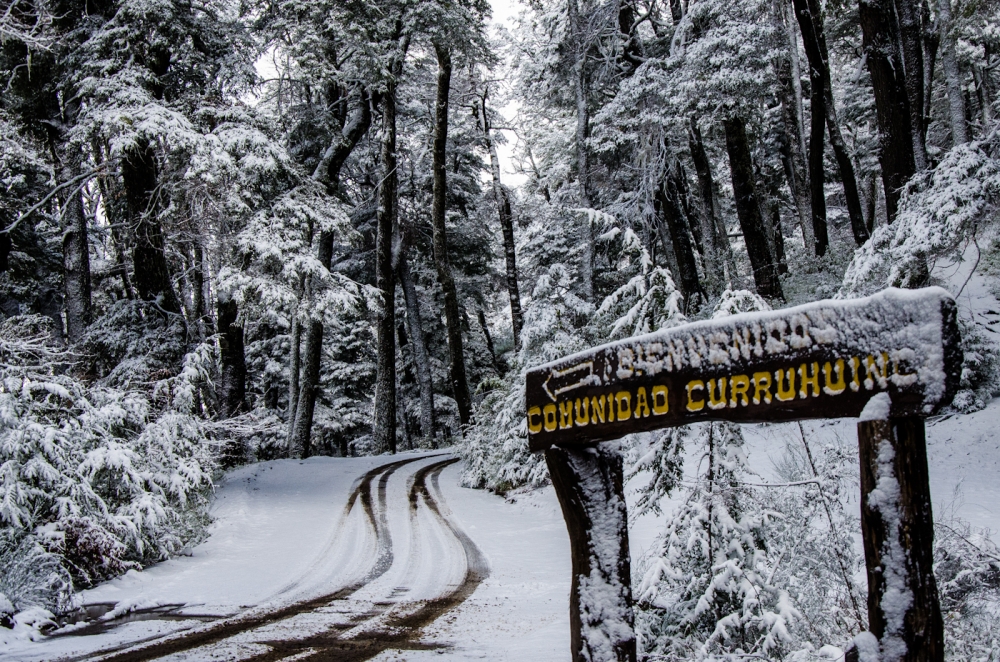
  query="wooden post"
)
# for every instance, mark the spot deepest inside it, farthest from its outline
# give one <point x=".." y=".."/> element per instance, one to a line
<point x="589" y="484"/>
<point x="904" y="613"/>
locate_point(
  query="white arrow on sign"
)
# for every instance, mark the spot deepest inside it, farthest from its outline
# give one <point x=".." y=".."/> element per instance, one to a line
<point x="560" y="374"/>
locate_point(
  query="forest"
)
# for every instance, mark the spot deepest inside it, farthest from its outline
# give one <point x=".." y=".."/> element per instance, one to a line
<point x="232" y="232"/>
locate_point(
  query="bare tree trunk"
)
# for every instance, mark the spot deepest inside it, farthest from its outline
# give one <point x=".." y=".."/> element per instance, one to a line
<point x="418" y="344"/>
<point x="817" y="133"/>
<point x="451" y="311"/>
<point x="885" y="64"/>
<point x="327" y="172"/>
<point x="76" y="251"/>
<point x="385" y="379"/>
<point x="722" y="262"/>
<point x="232" y="381"/>
<point x="952" y="75"/>
<point x="913" y="75"/>
<point x="765" y="271"/>
<point x="581" y="90"/>
<point x="151" y="272"/>
<point x="502" y="200"/>
<point x="797" y="96"/>
<point x="670" y="211"/>
<point x="810" y="17"/>
<point x="792" y="145"/>
<point x="294" y="368"/>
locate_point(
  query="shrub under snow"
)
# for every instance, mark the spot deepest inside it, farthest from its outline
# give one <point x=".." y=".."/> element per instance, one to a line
<point x="93" y="480"/>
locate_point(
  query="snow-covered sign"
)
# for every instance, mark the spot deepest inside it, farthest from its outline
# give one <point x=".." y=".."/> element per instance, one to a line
<point x="822" y="360"/>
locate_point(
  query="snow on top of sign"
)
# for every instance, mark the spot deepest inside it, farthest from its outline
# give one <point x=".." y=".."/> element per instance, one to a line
<point x="907" y="320"/>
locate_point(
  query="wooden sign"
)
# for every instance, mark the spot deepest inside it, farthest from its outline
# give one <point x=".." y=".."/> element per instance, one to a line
<point x="821" y="360"/>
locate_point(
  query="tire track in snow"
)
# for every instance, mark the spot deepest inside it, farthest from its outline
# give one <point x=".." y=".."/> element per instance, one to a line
<point x="392" y="625"/>
<point x="187" y="640"/>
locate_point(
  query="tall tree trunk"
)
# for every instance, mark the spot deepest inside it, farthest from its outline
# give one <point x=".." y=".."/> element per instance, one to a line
<point x="765" y="271"/>
<point x="75" y="249"/>
<point x="451" y="309"/>
<point x="817" y="133"/>
<point x="385" y="377"/>
<point x="793" y="57"/>
<point x="502" y="200"/>
<point x="581" y="91"/>
<point x="418" y="345"/>
<point x="151" y="272"/>
<point x="892" y="109"/>
<point x="792" y="144"/>
<point x="721" y="263"/>
<point x="952" y="75"/>
<point x="232" y="381"/>
<point x="810" y="17"/>
<point x="670" y="211"/>
<point x="294" y="370"/>
<point x="912" y="49"/>
<point x="931" y="43"/>
<point x="198" y="288"/>
<point x="328" y="172"/>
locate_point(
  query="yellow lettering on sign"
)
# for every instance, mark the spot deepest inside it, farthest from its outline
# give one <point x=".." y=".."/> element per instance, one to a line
<point x="761" y="384"/>
<point x="834" y="387"/>
<point x="809" y="382"/>
<point x="783" y="394"/>
<point x="855" y="377"/>
<point x="877" y="367"/>
<point x="660" y="408"/>
<point x="597" y="406"/>
<point x="720" y="402"/>
<point x="739" y="385"/>
<point x="623" y="400"/>
<point x="549" y="417"/>
<point x="583" y="419"/>
<point x="565" y="414"/>
<point x="692" y="404"/>
<point x="533" y="427"/>
<point x="641" y="406"/>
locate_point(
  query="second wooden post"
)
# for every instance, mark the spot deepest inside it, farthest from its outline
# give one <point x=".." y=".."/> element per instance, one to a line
<point x="589" y="484"/>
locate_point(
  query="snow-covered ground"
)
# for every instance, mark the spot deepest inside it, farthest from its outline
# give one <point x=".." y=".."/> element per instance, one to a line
<point x="281" y="536"/>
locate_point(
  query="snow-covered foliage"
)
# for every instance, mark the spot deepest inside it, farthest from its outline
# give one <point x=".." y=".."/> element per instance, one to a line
<point x="94" y="480"/>
<point x="496" y="449"/>
<point x="940" y="213"/>
<point x="708" y="588"/>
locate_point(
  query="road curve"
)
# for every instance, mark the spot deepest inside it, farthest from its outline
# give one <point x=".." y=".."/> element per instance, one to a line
<point x="407" y="564"/>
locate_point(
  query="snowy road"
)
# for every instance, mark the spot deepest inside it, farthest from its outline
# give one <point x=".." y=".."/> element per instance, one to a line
<point x="339" y="567"/>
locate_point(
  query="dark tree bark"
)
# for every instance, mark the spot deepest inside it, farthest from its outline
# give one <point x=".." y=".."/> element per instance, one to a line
<point x="721" y="261"/>
<point x="952" y="75"/>
<point x="232" y="381"/>
<point x="589" y="484"/>
<point x="75" y="250"/>
<point x="892" y="109"/>
<point x="151" y="275"/>
<point x="303" y="404"/>
<point x="451" y="310"/>
<point x="385" y="379"/>
<point x="765" y="271"/>
<point x="581" y="91"/>
<point x="418" y="345"/>
<point x="793" y="158"/>
<point x="912" y="49"/>
<point x="631" y="55"/>
<point x="898" y="536"/>
<point x="670" y="212"/>
<point x="817" y="132"/>
<point x="502" y="200"/>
